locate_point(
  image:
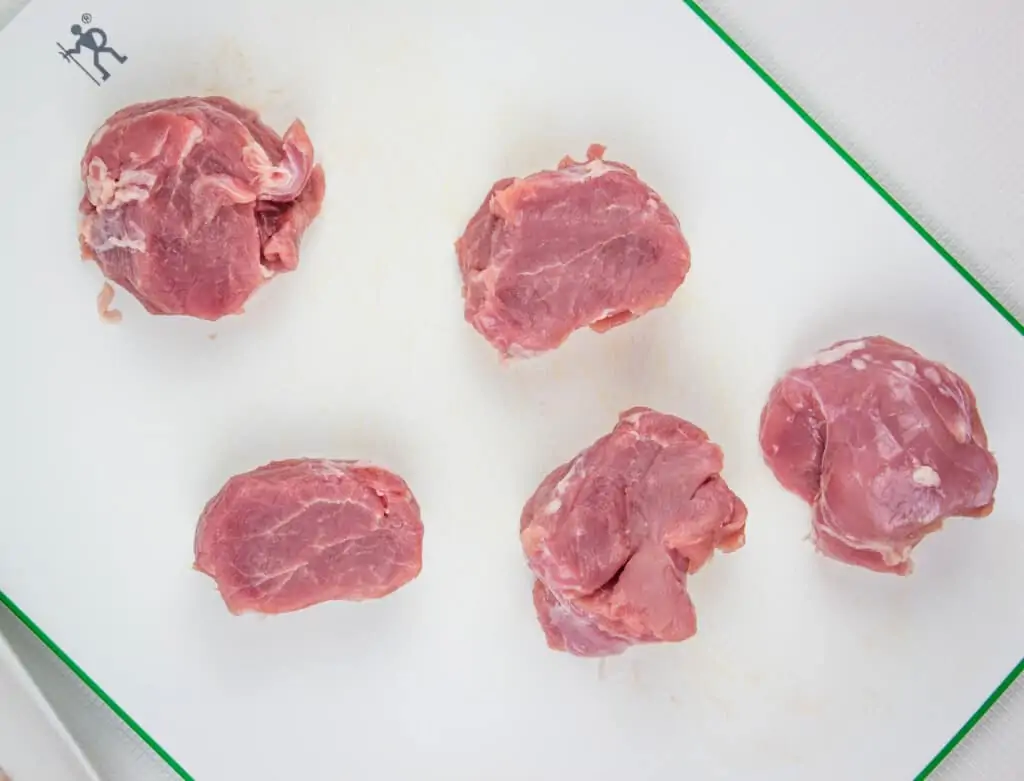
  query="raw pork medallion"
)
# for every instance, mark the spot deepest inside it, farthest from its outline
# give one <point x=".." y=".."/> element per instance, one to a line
<point x="612" y="535"/>
<point x="586" y="246"/>
<point x="884" y="445"/>
<point x="192" y="203"/>
<point x="294" y="533"/>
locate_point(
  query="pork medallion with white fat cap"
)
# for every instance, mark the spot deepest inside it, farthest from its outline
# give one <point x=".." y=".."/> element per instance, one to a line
<point x="191" y="204"/>
<point x="884" y="445"/>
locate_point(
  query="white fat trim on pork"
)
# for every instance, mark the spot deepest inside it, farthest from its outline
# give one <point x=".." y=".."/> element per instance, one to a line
<point x="926" y="476"/>
<point x="833" y="354"/>
<point x="893" y="556"/>
<point x="906" y="367"/>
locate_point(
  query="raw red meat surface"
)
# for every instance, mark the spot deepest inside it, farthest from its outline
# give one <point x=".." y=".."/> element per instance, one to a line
<point x="884" y="445"/>
<point x="588" y="245"/>
<point x="192" y="203"/>
<point x="294" y="533"/>
<point x="612" y="535"/>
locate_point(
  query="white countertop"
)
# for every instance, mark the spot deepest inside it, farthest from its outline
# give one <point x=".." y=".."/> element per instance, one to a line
<point x="33" y="742"/>
<point x="929" y="96"/>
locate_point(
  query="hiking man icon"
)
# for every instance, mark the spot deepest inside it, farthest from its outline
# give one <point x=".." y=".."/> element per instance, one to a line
<point x="94" y="39"/>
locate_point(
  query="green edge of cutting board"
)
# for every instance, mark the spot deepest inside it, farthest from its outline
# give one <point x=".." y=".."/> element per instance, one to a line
<point x="862" y="172"/>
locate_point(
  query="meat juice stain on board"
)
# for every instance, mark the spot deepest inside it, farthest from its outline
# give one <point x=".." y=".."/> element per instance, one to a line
<point x="653" y="361"/>
<point x="715" y="689"/>
<point x="698" y="675"/>
<point x="230" y="72"/>
<point x="606" y="373"/>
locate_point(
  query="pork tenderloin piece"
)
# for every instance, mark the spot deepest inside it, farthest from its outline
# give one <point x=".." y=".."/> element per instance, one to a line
<point x="587" y="245"/>
<point x="612" y="535"/>
<point x="295" y="533"/>
<point x="191" y="204"/>
<point x="883" y="443"/>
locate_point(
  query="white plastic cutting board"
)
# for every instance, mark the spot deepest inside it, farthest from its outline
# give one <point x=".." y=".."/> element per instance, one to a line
<point x="114" y="437"/>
